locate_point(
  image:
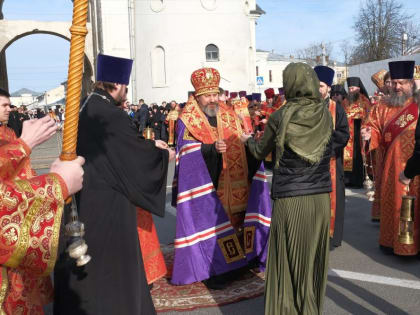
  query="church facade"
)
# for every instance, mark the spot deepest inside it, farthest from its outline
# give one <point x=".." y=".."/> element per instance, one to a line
<point x="170" y="39"/>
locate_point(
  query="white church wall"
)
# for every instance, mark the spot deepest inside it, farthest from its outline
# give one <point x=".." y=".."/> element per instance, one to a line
<point x="182" y="30"/>
<point x="116" y="33"/>
<point x="115" y="28"/>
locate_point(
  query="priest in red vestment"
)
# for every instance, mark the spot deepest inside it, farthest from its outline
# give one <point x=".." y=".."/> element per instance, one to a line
<point x="357" y="107"/>
<point x="391" y="128"/>
<point x="30" y="214"/>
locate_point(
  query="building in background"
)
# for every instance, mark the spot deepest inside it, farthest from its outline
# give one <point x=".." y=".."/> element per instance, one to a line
<point x="170" y="39"/>
<point x="48" y="99"/>
<point x="269" y="69"/>
<point x="24" y="97"/>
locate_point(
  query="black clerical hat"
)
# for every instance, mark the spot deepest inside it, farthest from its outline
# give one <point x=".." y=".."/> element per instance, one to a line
<point x="401" y="69"/>
<point x="113" y="69"/>
<point x="325" y="74"/>
<point x="355" y="81"/>
<point x="256" y="97"/>
<point x="338" y="89"/>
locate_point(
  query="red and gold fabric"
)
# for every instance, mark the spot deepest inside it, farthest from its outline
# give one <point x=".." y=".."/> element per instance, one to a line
<point x="172" y="118"/>
<point x="279" y="101"/>
<point x="233" y="186"/>
<point x="393" y="131"/>
<point x="14" y="158"/>
<point x="359" y="110"/>
<point x="377" y="160"/>
<point x="154" y="263"/>
<point x="241" y="109"/>
<point x="205" y="81"/>
<point x="30" y="216"/>
<point x="266" y="111"/>
<point x="333" y="172"/>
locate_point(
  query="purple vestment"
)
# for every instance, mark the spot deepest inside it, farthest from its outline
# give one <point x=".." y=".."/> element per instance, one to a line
<point x="206" y="243"/>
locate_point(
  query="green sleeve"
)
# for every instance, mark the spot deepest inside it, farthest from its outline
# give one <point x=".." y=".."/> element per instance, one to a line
<point x="266" y="144"/>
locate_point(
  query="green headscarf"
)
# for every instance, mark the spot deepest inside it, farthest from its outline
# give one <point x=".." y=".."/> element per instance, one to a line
<point x="305" y="123"/>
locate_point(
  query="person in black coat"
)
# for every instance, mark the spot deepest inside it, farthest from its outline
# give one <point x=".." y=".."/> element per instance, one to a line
<point x="340" y="137"/>
<point x="122" y="171"/>
<point x="155" y="122"/>
<point x="15" y="122"/>
<point x="141" y="117"/>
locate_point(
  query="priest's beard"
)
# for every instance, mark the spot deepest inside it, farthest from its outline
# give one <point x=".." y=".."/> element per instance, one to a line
<point x="398" y="100"/>
<point x="211" y="112"/>
<point x="354" y="97"/>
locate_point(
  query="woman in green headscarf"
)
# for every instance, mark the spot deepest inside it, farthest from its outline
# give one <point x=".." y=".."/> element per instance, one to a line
<point x="300" y="132"/>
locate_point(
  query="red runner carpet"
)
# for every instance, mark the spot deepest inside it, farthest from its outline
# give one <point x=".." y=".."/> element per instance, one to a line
<point x="168" y="297"/>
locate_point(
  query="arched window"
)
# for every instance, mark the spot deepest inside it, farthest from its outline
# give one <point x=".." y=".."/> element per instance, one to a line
<point x="158" y="67"/>
<point x="212" y="53"/>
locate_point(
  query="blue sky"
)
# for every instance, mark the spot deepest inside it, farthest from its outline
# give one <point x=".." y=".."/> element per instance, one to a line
<point x="39" y="62"/>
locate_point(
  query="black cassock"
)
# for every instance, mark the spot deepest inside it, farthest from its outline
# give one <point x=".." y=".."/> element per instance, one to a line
<point x="122" y="171"/>
<point x="340" y="138"/>
<point x="155" y="122"/>
<point x="355" y="177"/>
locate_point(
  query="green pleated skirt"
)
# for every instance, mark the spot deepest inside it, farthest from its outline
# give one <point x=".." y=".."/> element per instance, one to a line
<point x="297" y="265"/>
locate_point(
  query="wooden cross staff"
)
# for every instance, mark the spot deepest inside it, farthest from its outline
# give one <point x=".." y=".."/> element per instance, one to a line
<point x="78" y="32"/>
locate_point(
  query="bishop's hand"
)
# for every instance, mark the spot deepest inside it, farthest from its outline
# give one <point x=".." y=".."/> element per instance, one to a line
<point x="220" y="146"/>
<point x="245" y="137"/>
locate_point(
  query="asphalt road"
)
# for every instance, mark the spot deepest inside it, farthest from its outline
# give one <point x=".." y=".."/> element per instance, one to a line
<point x="361" y="279"/>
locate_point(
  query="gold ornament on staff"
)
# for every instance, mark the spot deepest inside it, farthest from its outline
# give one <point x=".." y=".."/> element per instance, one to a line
<point x="75" y="229"/>
<point x="406" y="228"/>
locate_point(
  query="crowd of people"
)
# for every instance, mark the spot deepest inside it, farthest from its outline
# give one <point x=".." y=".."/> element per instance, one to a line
<point x="20" y="114"/>
<point x="316" y="136"/>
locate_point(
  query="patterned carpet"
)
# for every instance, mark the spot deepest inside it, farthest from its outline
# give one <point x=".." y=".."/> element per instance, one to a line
<point x="167" y="297"/>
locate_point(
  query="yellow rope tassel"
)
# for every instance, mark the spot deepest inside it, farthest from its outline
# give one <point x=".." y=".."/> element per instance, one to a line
<point x="78" y="32"/>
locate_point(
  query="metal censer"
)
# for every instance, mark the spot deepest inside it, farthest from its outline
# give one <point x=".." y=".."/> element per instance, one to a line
<point x="75" y="230"/>
<point x="148" y="133"/>
<point x="368" y="184"/>
<point x="406" y="229"/>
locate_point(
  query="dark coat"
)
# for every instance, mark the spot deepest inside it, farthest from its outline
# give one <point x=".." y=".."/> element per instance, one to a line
<point x="296" y="177"/>
<point x="340" y="137"/>
<point x="15" y="123"/>
<point x="122" y="172"/>
<point x="141" y="116"/>
<point x="293" y="176"/>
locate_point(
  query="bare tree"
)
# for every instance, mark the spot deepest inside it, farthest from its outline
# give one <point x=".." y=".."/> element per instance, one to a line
<point x="413" y="35"/>
<point x="379" y="27"/>
<point x="313" y="51"/>
<point x="346" y="50"/>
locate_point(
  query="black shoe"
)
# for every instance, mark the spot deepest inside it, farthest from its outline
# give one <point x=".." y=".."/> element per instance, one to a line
<point x="216" y="283"/>
<point x="254" y="264"/>
<point x="386" y="250"/>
